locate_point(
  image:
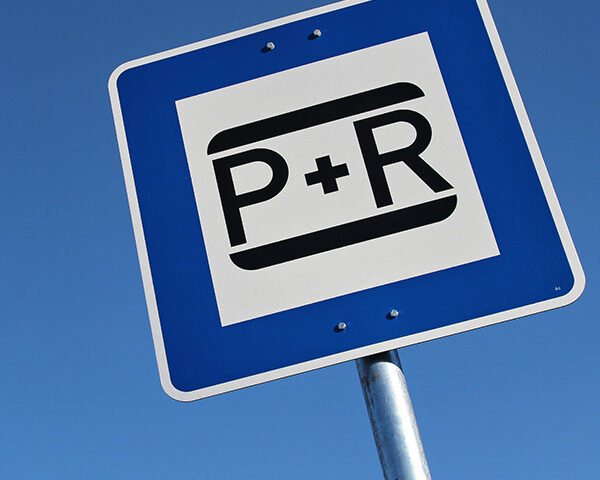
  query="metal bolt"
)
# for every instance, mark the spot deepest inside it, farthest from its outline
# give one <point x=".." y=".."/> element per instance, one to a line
<point x="270" y="46"/>
<point x="316" y="33"/>
<point x="341" y="326"/>
<point x="393" y="313"/>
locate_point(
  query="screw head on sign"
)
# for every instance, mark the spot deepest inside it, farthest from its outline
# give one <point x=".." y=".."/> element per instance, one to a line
<point x="341" y="326"/>
<point x="393" y="313"/>
<point x="316" y="33"/>
<point x="270" y="46"/>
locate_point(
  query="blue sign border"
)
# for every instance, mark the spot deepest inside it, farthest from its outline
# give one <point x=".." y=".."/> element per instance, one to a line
<point x="532" y="266"/>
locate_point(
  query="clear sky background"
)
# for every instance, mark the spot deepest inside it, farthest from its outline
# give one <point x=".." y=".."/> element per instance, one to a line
<point x="80" y="391"/>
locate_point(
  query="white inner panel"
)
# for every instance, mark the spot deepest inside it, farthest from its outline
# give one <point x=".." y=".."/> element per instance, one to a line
<point x="464" y="237"/>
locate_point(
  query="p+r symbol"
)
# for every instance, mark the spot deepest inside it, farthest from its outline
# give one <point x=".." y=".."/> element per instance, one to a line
<point x="388" y="222"/>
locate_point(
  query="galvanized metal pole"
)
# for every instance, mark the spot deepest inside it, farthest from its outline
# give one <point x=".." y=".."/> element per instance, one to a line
<point x="392" y="417"/>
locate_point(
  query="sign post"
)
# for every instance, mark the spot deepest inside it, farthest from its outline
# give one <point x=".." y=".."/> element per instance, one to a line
<point x="332" y="186"/>
<point x="392" y="417"/>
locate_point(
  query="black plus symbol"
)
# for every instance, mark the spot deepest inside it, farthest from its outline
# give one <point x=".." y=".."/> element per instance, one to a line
<point x="327" y="174"/>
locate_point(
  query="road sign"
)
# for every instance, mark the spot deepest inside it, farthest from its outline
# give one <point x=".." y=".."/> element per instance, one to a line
<point x="336" y="183"/>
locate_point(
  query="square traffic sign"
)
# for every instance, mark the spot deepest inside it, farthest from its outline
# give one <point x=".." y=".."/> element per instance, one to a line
<point x="293" y="183"/>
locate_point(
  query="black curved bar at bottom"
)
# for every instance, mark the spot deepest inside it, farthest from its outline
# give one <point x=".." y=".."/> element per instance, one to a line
<point x="347" y="234"/>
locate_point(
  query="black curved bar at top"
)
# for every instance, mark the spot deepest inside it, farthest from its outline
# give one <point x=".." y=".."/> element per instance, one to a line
<point x="347" y="234"/>
<point x="314" y="115"/>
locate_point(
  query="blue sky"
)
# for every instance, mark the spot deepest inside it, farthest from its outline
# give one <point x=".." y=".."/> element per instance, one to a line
<point x="81" y="396"/>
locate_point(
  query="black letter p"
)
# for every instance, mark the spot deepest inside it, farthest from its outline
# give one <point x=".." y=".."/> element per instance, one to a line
<point x="231" y="202"/>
